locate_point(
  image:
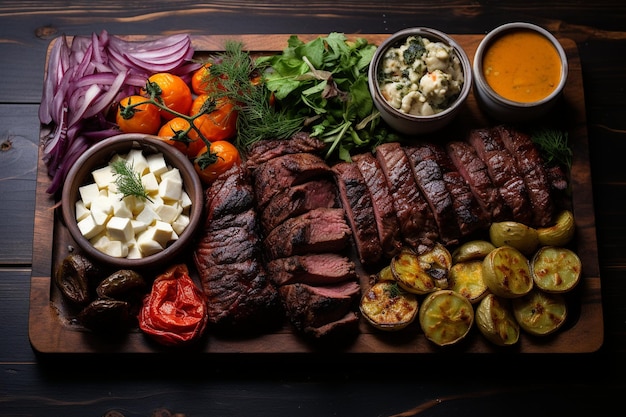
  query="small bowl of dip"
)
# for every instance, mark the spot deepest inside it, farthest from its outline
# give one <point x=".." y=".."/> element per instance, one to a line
<point x="520" y="70"/>
<point x="419" y="79"/>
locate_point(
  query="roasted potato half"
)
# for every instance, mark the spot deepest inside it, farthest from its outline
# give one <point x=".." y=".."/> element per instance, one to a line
<point x="387" y="307"/>
<point x="445" y="317"/>
<point x="521" y="237"/>
<point x="495" y="320"/>
<point x="506" y="272"/>
<point x="412" y="274"/>
<point x="561" y="233"/>
<point x="556" y="269"/>
<point x="466" y="278"/>
<point x="472" y="250"/>
<point x="540" y="313"/>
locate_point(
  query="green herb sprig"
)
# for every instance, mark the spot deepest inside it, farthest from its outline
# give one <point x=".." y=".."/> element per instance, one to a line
<point x="128" y="181"/>
<point x="554" y="147"/>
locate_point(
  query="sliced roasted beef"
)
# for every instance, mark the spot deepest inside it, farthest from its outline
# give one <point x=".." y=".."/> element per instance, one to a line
<point x="239" y="295"/>
<point x="530" y="166"/>
<point x="345" y="327"/>
<point x="359" y="211"/>
<point x="470" y="216"/>
<point x="503" y="172"/>
<point x="429" y="177"/>
<point x="285" y="171"/>
<point x="313" y="307"/>
<point x="227" y="255"/>
<point x="316" y="231"/>
<point x="264" y="150"/>
<point x="312" y="269"/>
<point x="474" y="172"/>
<point x="415" y="218"/>
<point x="382" y="203"/>
<point x="297" y="200"/>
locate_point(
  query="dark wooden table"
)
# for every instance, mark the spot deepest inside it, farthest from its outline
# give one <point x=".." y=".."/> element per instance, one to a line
<point x="318" y="384"/>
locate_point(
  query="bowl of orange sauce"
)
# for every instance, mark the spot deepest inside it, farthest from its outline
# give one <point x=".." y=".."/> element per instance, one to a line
<point x="519" y="72"/>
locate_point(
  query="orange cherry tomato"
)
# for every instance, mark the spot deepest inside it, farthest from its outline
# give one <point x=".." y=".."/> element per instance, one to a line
<point x="203" y="82"/>
<point x="220" y="124"/>
<point x="132" y="117"/>
<point x="172" y="132"/>
<point x="175" y="93"/>
<point x="213" y="161"/>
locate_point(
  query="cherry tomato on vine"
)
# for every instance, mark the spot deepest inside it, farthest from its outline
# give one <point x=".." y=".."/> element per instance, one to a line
<point x="215" y="160"/>
<point x="172" y="90"/>
<point x="219" y="124"/>
<point x="172" y="132"/>
<point x="202" y="82"/>
<point x="132" y="117"/>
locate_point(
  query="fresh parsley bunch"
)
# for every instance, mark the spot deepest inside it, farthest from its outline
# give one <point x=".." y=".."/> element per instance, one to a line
<point x="324" y="82"/>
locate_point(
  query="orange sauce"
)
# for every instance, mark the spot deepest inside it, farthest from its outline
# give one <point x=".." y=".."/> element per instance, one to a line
<point x="522" y="66"/>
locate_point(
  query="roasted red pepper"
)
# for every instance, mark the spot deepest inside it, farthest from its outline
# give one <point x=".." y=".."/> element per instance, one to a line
<point x="175" y="311"/>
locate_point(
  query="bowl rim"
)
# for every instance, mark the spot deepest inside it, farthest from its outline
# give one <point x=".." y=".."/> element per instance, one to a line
<point x="432" y="35"/>
<point x="485" y="88"/>
<point x="174" y="157"/>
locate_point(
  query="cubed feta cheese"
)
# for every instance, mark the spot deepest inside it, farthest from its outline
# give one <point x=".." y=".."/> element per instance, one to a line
<point x="172" y="173"/>
<point x="162" y="232"/>
<point x="185" y="200"/>
<point x="156" y="163"/>
<point x="137" y="160"/>
<point x="101" y="210"/>
<point x="120" y="228"/>
<point x="150" y="183"/>
<point x="104" y="176"/>
<point x="168" y="212"/>
<point x="116" y="249"/>
<point x="146" y="243"/>
<point x="80" y="210"/>
<point x="147" y="216"/>
<point x="181" y="222"/>
<point x="89" y="228"/>
<point x="88" y="193"/>
<point x="170" y="189"/>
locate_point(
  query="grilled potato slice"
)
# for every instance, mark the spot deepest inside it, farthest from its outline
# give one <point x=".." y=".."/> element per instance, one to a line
<point x="540" y="313"/>
<point x="410" y="273"/>
<point x="472" y="250"/>
<point x="561" y="233"/>
<point x="387" y="307"/>
<point x="446" y="317"/>
<point x="495" y="320"/>
<point x="385" y="274"/>
<point x="437" y="263"/>
<point x="466" y="278"/>
<point x="556" y="269"/>
<point x="506" y="272"/>
<point x="521" y="237"/>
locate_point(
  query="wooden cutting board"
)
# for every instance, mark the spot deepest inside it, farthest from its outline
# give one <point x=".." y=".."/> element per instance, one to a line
<point x="51" y="331"/>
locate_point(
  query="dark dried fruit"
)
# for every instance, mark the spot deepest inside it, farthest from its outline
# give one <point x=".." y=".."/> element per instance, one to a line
<point x="106" y="315"/>
<point x="74" y="277"/>
<point x="121" y="285"/>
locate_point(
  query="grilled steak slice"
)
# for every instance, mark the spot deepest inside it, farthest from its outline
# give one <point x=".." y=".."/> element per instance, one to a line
<point x="297" y="200"/>
<point x="530" y="166"/>
<point x="474" y="172"/>
<point x="503" y="172"/>
<point x="264" y="150"/>
<point x="415" y="218"/>
<point x="382" y="203"/>
<point x="429" y="177"/>
<point x="312" y="307"/>
<point x="316" y="231"/>
<point x="227" y="254"/>
<point x="346" y="326"/>
<point x="470" y="216"/>
<point x="357" y="205"/>
<point x="239" y="295"/>
<point x="312" y="269"/>
<point x="285" y="171"/>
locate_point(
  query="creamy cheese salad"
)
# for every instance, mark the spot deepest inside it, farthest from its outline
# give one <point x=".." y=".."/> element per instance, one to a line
<point x="420" y="77"/>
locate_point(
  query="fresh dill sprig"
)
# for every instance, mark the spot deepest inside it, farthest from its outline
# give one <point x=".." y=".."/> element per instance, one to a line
<point x="393" y="290"/>
<point x="128" y="181"/>
<point x="553" y="145"/>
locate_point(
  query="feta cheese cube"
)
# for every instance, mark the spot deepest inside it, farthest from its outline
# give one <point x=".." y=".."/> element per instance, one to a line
<point x="146" y="243"/>
<point x="101" y="210"/>
<point x="181" y="222"/>
<point x="88" y="193"/>
<point x="173" y="173"/>
<point x="80" y="210"/>
<point x="89" y="228"/>
<point x="120" y="228"/>
<point x="137" y="160"/>
<point x="170" y="188"/>
<point x="116" y="249"/>
<point x="104" y="177"/>
<point x="156" y="163"/>
<point x="185" y="200"/>
<point x="150" y="183"/>
<point x="138" y="226"/>
<point x="168" y="212"/>
<point x="147" y="216"/>
<point x="162" y="232"/>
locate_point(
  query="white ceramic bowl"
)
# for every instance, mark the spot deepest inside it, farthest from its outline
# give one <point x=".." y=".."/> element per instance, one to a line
<point x="410" y="124"/>
<point x="505" y="109"/>
<point x="98" y="156"/>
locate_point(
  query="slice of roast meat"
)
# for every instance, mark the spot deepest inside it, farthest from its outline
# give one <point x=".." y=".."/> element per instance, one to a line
<point x="312" y="307"/>
<point x="474" y="172"/>
<point x="297" y="200"/>
<point x="239" y="295"/>
<point x="415" y="218"/>
<point x="359" y="211"/>
<point x="285" y="171"/>
<point x="264" y="150"/>
<point x="229" y="194"/>
<point x="312" y="269"/>
<point x="503" y="172"/>
<point x="382" y="203"/>
<point x="316" y="231"/>
<point x="346" y="326"/>
<point x="429" y="178"/>
<point x="470" y="216"/>
<point x="530" y="166"/>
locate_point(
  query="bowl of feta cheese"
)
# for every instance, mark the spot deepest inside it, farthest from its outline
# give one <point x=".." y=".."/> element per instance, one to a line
<point x="419" y="79"/>
<point x="132" y="201"/>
